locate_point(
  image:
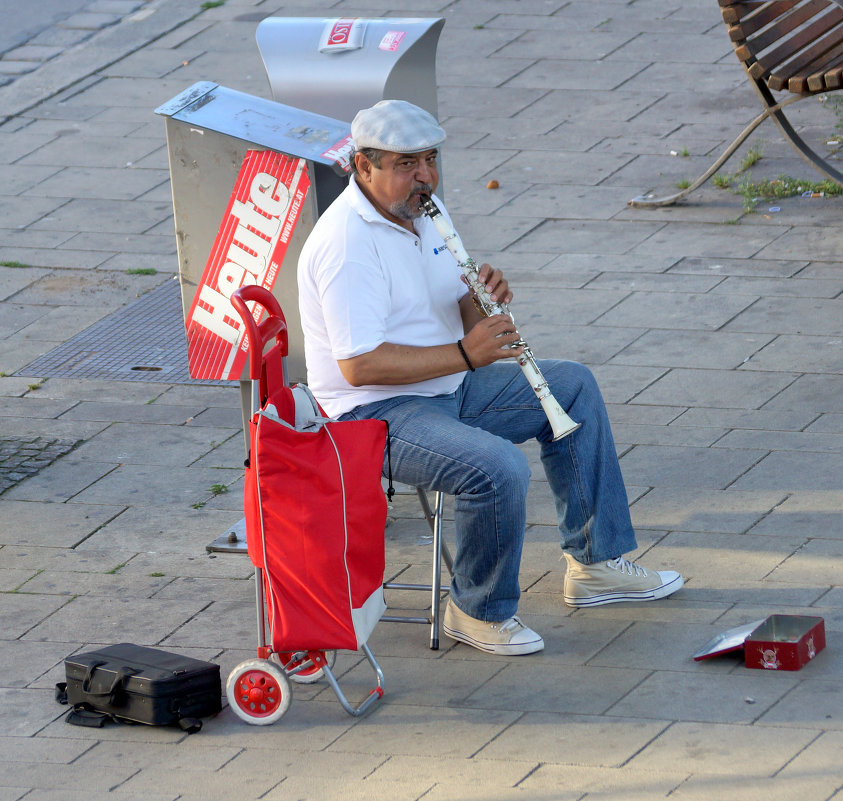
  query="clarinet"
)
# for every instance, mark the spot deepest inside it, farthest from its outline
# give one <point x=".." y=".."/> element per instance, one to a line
<point x="560" y="422"/>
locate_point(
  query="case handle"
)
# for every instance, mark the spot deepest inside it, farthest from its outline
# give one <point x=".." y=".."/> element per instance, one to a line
<point x="111" y="693"/>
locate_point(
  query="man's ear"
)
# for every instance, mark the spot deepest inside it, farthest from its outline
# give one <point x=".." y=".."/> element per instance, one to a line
<point x="364" y="167"/>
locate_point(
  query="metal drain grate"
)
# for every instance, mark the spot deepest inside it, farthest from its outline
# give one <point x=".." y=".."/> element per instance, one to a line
<point x="143" y="341"/>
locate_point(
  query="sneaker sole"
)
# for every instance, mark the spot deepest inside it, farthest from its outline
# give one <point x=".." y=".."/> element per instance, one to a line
<point x="617" y="597"/>
<point x="492" y="648"/>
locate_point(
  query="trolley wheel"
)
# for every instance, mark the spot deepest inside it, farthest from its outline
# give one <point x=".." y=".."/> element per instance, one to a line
<point x="305" y="671"/>
<point x="259" y="692"/>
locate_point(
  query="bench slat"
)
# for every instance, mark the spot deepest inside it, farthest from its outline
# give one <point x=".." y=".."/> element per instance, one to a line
<point x="736" y="11"/>
<point x="785" y="25"/>
<point x="808" y="60"/>
<point x="814" y="79"/>
<point x="834" y="78"/>
<point x="781" y="58"/>
<point x="755" y="17"/>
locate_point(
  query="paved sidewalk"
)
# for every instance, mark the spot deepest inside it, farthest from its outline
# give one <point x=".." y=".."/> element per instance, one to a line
<point x="714" y="330"/>
<point x="40" y="38"/>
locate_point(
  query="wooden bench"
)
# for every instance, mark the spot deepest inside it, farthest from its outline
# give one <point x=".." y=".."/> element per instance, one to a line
<point x="791" y="46"/>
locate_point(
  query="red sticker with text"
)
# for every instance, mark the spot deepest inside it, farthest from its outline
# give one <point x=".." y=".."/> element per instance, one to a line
<point x="340" y="153"/>
<point x="249" y="249"/>
<point x="392" y="41"/>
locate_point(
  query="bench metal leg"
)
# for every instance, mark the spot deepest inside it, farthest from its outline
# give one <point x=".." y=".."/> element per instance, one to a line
<point x="643" y="201"/>
<point x="802" y="147"/>
<point x="772" y="110"/>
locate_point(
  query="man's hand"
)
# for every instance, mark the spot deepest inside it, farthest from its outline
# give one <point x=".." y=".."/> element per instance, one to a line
<point x="487" y="341"/>
<point x="496" y="285"/>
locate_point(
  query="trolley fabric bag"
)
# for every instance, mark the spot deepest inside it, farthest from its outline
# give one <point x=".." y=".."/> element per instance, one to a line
<point x="139" y="684"/>
<point x="315" y="518"/>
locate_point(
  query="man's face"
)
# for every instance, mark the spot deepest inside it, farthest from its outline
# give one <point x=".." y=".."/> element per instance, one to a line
<point x="395" y="187"/>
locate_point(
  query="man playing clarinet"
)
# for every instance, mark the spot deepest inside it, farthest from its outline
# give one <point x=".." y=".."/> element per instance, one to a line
<point x="393" y="332"/>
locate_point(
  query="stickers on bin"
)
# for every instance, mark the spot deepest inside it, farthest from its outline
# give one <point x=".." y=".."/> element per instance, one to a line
<point x="392" y="41"/>
<point x="342" y="34"/>
<point x="340" y="153"/>
<point x="249" y="248"/>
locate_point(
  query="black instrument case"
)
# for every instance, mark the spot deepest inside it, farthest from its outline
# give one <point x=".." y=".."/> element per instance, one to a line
<point x="145" y="685"/>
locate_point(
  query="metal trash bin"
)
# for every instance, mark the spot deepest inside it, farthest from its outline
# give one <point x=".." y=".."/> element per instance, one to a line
<point x="338" y="66"/>
<point x="249" y="179"/>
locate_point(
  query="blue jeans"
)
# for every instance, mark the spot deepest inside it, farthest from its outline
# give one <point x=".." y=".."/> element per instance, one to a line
<point x="462" y="444"/>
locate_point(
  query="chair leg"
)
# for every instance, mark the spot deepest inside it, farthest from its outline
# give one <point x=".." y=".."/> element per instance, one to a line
<point x="431" y="521"/>
<point x="440" y="552"/>
<point x="436" y="581"/>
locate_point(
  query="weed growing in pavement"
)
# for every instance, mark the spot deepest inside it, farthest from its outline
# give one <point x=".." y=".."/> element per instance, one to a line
<point x="214" y="489"/>
<point x="771" y="188"/>
<point x="752" y="157"/>
<point x="782" y="187"/>
<point x="142" y="271"/>
<point x="15" y="264"/>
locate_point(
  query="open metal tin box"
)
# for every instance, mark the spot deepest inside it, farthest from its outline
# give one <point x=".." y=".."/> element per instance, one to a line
<point x="779" y="642"/>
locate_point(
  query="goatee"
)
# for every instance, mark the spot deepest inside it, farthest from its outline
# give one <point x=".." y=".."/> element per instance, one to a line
<point x="410" y="209"/>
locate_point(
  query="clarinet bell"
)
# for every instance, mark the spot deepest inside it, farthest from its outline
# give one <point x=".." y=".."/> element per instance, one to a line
<point x="561" y="422"/>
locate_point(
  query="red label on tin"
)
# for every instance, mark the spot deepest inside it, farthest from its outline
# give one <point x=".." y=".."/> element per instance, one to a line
<point x="341" y="31"/>
<point x="249" y="248"/>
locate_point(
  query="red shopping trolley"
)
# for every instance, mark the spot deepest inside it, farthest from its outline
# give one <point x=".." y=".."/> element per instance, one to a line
<point x="315" y="515"/>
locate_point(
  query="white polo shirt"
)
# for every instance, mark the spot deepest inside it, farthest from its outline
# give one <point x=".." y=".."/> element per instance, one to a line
<point x="363" y="281"/>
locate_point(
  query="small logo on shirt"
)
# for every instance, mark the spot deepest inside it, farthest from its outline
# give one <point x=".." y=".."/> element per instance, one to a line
<point x="437" y="251"/>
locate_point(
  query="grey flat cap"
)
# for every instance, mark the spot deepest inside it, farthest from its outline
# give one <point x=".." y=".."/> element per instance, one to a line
<point x="397" y="126"/>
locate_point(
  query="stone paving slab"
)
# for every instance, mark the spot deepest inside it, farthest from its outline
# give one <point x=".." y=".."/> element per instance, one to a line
<point x="727" y="389"/>
<point x="724" y="749"/>
<point x="816" y="353"/>
<point x="35" y="523"/>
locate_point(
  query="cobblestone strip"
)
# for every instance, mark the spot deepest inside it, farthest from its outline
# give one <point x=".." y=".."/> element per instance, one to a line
<point x="22" y="458"/>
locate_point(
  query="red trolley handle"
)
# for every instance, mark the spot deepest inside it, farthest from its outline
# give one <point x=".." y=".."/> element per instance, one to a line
<point x="275" y="325"/>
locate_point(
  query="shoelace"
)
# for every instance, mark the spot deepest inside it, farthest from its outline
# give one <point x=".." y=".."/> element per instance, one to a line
<point x="624" y="566"/>
<point x="513" y="624"/>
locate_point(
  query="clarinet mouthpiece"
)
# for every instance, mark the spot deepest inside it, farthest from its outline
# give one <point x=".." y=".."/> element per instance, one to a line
<point x="428" y="206"/>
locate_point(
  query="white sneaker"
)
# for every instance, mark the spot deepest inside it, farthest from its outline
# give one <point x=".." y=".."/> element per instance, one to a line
<point x="509" y="637"/>
<point x="616" y="580"/>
